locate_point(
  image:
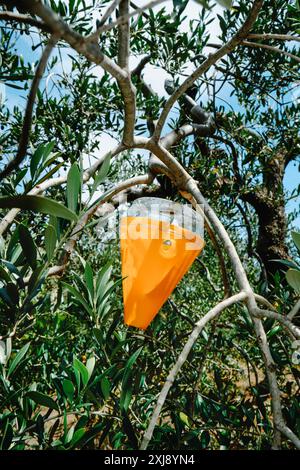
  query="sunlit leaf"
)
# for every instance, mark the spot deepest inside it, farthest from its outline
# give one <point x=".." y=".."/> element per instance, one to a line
<point x="37" y="204"/>
<point x="296" y="239"/>
<point x="73" y="187"/>
<point x="68" y="388"/>
<point x="17" y="359"/>
<point x="82" y="370"/>
<point x="102" y="173"/>
<point x="42" y="399"/>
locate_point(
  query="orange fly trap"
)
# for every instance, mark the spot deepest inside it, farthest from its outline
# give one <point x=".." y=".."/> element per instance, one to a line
<point x="159" y="241"/>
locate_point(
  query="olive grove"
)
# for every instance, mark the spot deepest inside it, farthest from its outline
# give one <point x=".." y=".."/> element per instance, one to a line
<point x="218" y="367"/>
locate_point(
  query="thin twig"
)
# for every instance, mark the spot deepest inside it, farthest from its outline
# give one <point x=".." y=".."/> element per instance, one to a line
<point x="213" y="313"/>
<point x="108" y="12"/>
<point x="91" y="50"/>
<point x="235" y="162"/>
<point x="270" y="48"/>
<point x="248" y="360"/>
<point x="208" y="276"/>
<point x="19" y="18"/>
<point x="179" y="313"/>
<point x="280" y="37"/>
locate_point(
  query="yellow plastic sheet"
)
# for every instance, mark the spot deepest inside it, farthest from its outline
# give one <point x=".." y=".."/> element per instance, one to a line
<point x="155" y="255"/>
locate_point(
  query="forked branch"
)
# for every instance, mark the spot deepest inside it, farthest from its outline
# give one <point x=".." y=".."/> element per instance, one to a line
<point x="270" y="48"/>
<point x="50" y="183"/>
<point x="209" y="316"/>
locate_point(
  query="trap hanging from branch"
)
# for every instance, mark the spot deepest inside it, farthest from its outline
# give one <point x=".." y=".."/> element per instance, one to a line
<point x="159" y="241"/>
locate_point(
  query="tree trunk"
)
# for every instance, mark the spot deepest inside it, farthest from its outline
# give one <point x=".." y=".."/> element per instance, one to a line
<point x="269" y="205"/>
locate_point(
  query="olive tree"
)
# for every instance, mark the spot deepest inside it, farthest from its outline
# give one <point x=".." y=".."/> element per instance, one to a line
<point x="199" y="149"/>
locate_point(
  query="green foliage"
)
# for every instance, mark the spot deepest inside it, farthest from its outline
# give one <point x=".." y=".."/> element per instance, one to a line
<point x="93" y="292"/>
<point x="41" y="158"/>
<point x="101" y="174"/>
<point x="17" y="360"/>
<point x="50" y="240"/>
<point x="126" y="390"/>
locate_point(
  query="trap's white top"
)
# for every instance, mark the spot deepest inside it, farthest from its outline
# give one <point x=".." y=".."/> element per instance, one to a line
<point x="156" y="208"/>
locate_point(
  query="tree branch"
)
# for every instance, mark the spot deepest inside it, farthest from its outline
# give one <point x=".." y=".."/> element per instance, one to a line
<point x="139" y="68"/>
<point x="90" y="49"/>
<point x="211" y="60"/>
<point x="25" y="133"/>
<point x="19" y="18"/>
<point x="179" y="313"/>
<point x="248" y="228"/>
<point x="215" y="243"/>
<point x="213" y="313"/>
<point x="262" y="300"/>
<point x="279" y="424"/>
<point x="108" y="12"/>
<point x="280" y="37"/>
<point x="123" y="36"/>
<point x="40" y="188"/>
<point x="123" y="19"/>
<point x="208" y="276"/>
<point x="146" y="89"/>
<point x="235" y="162"/>
<point x="270" y="48"/>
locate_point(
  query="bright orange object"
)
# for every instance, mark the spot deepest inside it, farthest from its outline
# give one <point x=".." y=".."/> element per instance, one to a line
<point x="155" y="256"/>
